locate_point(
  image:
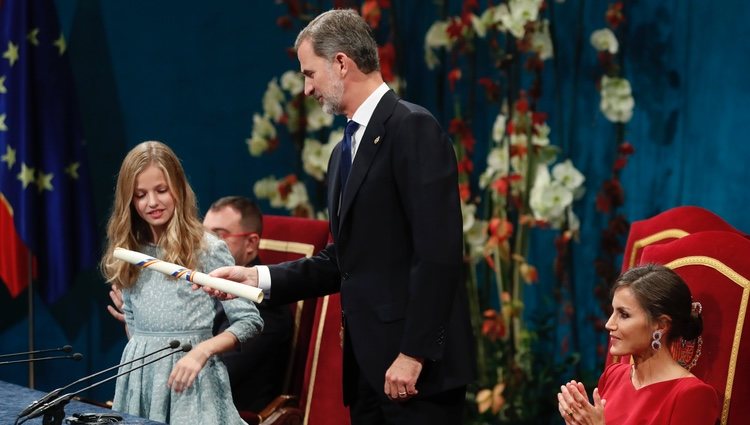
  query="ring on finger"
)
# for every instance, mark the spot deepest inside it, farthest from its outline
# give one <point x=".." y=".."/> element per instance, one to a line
<point x="570" y="413"/>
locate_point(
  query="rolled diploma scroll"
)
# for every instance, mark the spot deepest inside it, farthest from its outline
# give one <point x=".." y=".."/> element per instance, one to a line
<point x="142" y="260"/>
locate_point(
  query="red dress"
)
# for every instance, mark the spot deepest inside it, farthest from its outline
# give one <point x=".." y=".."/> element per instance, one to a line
<point x="683" y="401"/>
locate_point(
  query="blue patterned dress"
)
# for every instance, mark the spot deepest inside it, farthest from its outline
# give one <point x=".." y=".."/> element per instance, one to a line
<point x="159" y="309"/>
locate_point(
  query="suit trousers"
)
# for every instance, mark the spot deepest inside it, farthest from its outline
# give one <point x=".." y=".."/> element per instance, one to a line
<point x="373" y="407"/>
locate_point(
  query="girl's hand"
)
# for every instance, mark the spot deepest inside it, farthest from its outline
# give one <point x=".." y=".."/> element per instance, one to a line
<point x="573" y="405"/>
<point x="187" y="368"/>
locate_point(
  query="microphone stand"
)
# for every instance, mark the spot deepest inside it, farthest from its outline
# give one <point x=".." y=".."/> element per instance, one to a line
<point x="65" y="349"/>
<point x="54" y="411"/>
<point x="54" y="393"/>
<point x="74" y="356"/>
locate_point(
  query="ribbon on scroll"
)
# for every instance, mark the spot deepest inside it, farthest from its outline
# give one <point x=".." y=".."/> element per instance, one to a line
<point x="144" y="261"/>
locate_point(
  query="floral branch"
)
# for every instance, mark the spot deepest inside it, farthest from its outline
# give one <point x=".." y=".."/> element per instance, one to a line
<point x="522" y="187"/>
<point x="617" y="105"/>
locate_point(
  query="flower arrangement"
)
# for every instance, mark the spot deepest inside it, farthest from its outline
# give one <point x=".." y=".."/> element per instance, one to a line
<point x="524" y="187"/>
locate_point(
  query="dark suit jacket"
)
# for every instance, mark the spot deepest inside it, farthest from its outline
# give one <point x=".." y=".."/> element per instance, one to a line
<point x="397" y="253"/>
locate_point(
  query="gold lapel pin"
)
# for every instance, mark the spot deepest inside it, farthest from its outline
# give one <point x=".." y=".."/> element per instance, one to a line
<point x="377" y="140"/>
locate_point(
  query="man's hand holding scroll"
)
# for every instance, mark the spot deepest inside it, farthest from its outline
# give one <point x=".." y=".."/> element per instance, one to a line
<point x="244" y="275"/>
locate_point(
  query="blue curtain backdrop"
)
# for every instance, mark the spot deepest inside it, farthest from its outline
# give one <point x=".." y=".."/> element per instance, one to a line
<point x="192" y="73"/>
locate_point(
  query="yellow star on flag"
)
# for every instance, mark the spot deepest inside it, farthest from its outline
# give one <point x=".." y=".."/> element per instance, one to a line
<point x="60" y="43"/>
<point x="3" y="127"/>
<point x="9" y="157"/>
<point x="44" y="181"/>
<point x="32" y="36"/>
<point x="26" y="175"/>
<point x="72" y="170"/>
<point x="11" y="53"/>
<point x="2" y="85"/>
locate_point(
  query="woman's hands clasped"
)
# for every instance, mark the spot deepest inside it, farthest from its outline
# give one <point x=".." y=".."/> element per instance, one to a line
<point x="573" y="404"/>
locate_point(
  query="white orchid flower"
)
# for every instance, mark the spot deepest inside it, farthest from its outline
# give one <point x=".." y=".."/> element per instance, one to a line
<point x="541" y="41"/>
<point x="266" y="187"/>
<point x="567" y="174"/>
<point x="256" y="145"/>
<point x="604" y="39"/>
<point x="317" y="119"/>
<point x="263" y="128"/>
<point x="272" y="99"/>
<point x="574" y="224"/>
<point x="498" y="128"/>
<point x="297" y="196"/>
<point x="315" y="156"/>
<point x="549" y="199"/>
<point x="336" y="136"/>
<point x="480" y="27"/>
<point x="476" y="237"/>
<point x="467" y="212"/>
<point x="437" y="35"/>
<point x="617" y="101"/>
<point x="514" y="15"/>
<point x="541" y="135"/>
<point x="293" y="82"/>
<point x="497" y="164"/>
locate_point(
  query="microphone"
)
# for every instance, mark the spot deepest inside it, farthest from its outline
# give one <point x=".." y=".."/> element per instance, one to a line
<point x="65" y="349"/>
<point x="74" y="356"/>
<point x="55" y="408"/>
<point x="52" y="394"/>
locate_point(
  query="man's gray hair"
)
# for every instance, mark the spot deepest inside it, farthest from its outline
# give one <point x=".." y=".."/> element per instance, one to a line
<point x="342" y="30"/>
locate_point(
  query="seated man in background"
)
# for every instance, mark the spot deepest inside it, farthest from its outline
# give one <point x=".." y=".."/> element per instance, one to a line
<point x="257" y="370"/>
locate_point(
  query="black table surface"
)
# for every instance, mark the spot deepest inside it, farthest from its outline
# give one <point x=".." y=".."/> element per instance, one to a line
<point x="14" y="398"/>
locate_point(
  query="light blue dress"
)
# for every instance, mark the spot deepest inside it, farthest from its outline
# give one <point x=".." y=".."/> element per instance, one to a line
<point x="159" y="309"/>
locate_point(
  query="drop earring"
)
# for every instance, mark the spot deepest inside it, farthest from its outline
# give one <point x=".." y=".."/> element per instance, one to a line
<point x="656" y="340"/>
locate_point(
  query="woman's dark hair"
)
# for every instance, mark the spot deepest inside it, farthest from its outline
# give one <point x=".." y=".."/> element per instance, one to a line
<point x="659" y="290"/>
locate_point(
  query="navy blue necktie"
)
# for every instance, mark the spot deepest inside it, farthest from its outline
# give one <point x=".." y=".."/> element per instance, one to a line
<point x="345" y="164"/>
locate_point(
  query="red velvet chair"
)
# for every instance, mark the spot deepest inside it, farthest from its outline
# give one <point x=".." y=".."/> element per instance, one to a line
<point x="672" y="224"/>
<point x="313" y="347"/>
<point x="322" y="395"/>
<point x="286" y="239"/>
<point x="716" y="267"/>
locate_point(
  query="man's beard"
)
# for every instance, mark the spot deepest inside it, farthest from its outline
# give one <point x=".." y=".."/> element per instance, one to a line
<point x="332" y="98"/>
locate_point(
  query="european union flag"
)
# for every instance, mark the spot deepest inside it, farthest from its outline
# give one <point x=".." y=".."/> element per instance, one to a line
<point x="45" y="206"/>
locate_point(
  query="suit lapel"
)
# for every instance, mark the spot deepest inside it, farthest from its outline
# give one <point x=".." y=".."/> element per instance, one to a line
<point x="366" y="150"/>
<point x="334" y="192"/>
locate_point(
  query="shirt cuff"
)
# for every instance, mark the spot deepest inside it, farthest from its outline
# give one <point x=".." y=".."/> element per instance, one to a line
<point x="264" y="281"/>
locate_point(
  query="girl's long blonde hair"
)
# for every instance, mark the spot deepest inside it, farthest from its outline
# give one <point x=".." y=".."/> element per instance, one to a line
<point x="181" y="243"/>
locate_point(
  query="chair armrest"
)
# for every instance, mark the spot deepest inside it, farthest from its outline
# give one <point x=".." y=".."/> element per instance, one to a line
<point x="283" y="410"/>
<point x="277" y="404"/>
<point x="285" y="416"/>
<point x="283" y="400"/>
<point x="250" y="417"/>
